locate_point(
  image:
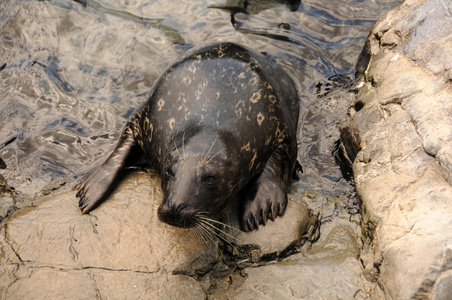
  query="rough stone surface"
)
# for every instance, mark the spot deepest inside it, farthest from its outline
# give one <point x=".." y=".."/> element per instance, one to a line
<point x="7" y="201"/>
<point x="399" y="134"/>
<point x="326" y="270"/>
<point x="121" y="249"/>
<point x="303" y="281"/>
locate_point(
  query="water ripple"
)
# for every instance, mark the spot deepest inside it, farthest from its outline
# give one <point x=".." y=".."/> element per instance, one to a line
<point x="73" y="72"/>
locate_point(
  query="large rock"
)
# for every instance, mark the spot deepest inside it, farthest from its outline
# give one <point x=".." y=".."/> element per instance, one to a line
<point x="399" y="135"/>
<point x="52" y="251"/>
<point x="121" y="249"/>
<point x="298" y="280"/>
<point x="327" y="269"/>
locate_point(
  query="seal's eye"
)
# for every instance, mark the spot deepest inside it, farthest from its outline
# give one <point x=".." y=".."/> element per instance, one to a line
<point x="168" y="174"/>
<point x="210" y="181"/>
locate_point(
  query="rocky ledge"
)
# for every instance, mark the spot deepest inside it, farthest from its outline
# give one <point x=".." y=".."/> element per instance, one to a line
<point x="121" y="250"/>
<point x="399" y="137"/>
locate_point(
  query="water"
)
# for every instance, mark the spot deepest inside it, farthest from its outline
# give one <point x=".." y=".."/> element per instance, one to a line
<point x="72" y="72"/>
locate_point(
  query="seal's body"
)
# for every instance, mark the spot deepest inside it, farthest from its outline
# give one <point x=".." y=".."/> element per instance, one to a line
<point x="219" y="123"/>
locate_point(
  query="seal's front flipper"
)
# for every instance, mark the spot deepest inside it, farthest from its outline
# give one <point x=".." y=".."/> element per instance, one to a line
<point x="97" y="184"/>
<point x="264" y="200"/>
<point x="266" y="196"/>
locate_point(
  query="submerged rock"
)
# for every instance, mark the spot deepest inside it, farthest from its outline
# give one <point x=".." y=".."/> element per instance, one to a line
<point x="399" y="135"/>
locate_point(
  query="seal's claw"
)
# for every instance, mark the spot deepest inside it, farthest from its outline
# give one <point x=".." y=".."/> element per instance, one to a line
<point x="269" y="202"/>
<point x="264" y="217"/>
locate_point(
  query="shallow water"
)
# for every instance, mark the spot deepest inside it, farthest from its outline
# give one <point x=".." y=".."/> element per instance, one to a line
<point x="72" y="72"/>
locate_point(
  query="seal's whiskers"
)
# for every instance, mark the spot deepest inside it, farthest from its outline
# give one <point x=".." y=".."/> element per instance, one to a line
<point x="214" y="228"/>
<point x="211" y="228"/>
<point x="211" y="233"/>
<point x="177" y="149"/>
<point x="220" y="223"/>
<point x="210" y="149"/>
<point x="200" y="235"/>
<point x="183" y="142"/>
<point x="210" y="158"/>
<point x="205" y="232"/>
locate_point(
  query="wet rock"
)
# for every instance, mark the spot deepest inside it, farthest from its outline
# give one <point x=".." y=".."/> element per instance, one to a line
<point x="301" y="281"/>
<point x="300" y="226"/>
<point x="399" y="134"/>
<point x="326" y="269"/>
<point x="6" y="205"/>
<point x="103" y="284"/>
<point x="119" y="249"/>
<point x="7" y="201"/>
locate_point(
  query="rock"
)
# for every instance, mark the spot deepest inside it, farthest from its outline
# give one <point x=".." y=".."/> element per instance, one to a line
<point x="120" y="249"/>
<point x="300" y="225"/>
<point x="399" y="134"/>
<point x="7" y="201"/>
<point x="103" y="284"/>
<point x="301" y="281"/>
<point x="326" y="270"/>
<point x="7" y="205"/>
<point x="443" y="286"/>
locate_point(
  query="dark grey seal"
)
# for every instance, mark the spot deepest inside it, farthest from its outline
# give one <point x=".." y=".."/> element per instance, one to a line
<point x="220" y="123"/>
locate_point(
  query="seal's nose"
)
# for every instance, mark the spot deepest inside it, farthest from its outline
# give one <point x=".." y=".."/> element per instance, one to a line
<point x="176" y="214"/>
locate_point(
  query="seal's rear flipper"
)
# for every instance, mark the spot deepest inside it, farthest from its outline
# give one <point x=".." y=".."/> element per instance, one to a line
<point x="97" y="184"/>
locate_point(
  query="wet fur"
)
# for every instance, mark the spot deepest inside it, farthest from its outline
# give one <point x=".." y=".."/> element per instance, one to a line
<point x="220" y="123"/>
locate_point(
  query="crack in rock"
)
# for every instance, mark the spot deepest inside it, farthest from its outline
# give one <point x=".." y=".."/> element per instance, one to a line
<point x="71" y="246"/>
<point x="96" y="289"/>
<point x="10" y="244"/>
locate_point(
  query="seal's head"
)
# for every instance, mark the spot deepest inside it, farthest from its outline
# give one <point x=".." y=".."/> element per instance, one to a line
<point x="199" y="178"/>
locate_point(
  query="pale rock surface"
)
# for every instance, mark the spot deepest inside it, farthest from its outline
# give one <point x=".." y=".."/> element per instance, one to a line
<point x="399" y="134"/>
<point x="121" y="249"/>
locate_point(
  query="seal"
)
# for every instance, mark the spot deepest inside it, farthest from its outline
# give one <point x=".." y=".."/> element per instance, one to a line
<point x="220" y="123"/>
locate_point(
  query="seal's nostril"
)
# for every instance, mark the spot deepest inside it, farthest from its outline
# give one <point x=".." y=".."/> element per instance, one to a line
<point x="179" y="208"/>
<point x="176" y="215"/>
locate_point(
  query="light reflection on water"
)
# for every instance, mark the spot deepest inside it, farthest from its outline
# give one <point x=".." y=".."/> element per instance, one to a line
<point x="75" y="70"/>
